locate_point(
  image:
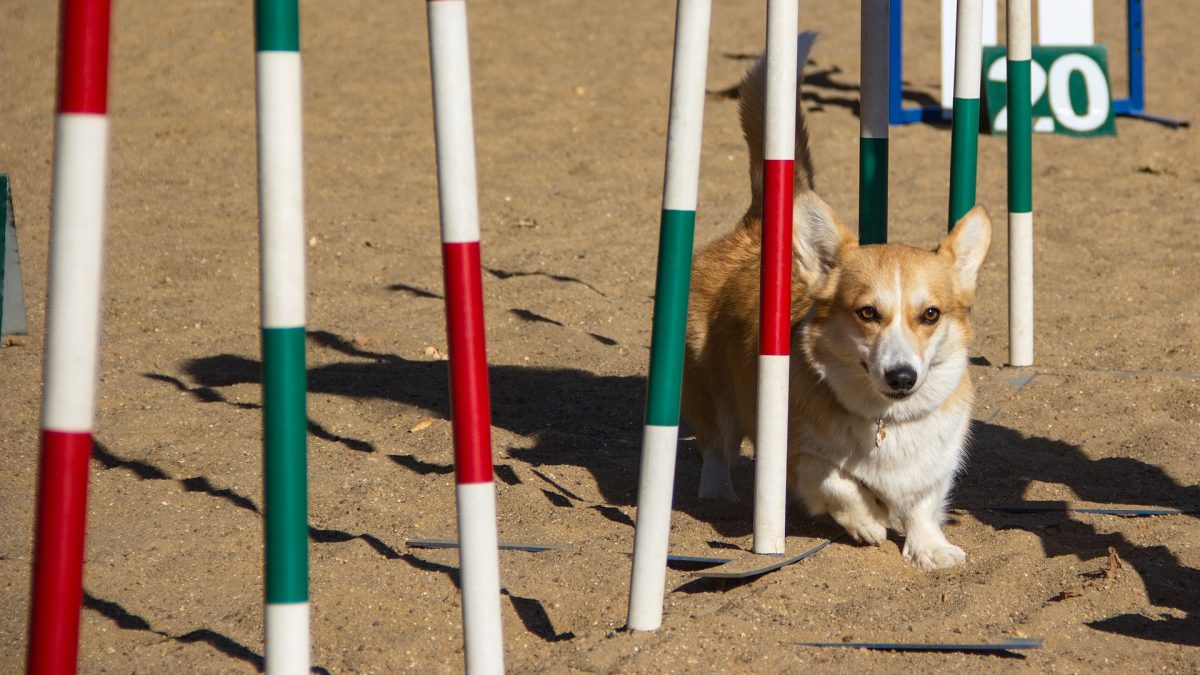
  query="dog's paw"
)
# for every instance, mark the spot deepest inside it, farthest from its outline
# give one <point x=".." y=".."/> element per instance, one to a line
<point x="863" y="529"/>
<point x="935" y="557"/>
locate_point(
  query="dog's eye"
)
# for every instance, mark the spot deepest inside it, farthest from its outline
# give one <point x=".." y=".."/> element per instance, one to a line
<point x="931" y="315"/>
<point x="867" y="313"/>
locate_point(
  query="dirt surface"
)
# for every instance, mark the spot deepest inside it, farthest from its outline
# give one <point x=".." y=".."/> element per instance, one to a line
<point x="571" y="113"/>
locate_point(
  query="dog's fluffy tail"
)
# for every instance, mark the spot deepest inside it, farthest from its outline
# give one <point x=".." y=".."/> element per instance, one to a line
<point x="752" y="95"/>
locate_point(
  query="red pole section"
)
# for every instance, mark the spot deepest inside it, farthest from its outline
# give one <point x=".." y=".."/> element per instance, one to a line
<point x="776" y="308"/>
<point x="469" y="401"/>
<point x="83" y="57"/>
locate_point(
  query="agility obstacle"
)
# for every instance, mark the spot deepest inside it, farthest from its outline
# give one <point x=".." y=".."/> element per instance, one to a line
<point x="660" y="435"/>
<point x="285" y="417"/>
<point x="1080" y="23"/>
<point x="470" y="404"/>
<point x="72" y="335"/>
<point x="73" y="324"/>
<point x="879" y="86"/>
<point x="964" y="154"/>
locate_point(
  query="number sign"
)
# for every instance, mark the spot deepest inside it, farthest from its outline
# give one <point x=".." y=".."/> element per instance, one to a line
<point x="1070" y="90"/>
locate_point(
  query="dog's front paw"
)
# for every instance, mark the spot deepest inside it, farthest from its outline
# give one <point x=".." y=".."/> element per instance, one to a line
<point x="939" y="556"/>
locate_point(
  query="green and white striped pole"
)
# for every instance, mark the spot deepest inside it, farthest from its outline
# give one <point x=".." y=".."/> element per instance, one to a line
<point x="1020" y="186"/>
<point x="964" y="126"/>
<point x="281" y="222"/>
<point x="661" y="432"/>
<point x="873" y="122"/>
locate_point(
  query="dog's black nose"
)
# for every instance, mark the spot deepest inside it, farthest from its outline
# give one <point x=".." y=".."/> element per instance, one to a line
<point x="901" y="379"/>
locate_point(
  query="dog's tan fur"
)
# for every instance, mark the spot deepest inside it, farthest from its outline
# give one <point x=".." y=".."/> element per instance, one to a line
<point x="868" y="459"/>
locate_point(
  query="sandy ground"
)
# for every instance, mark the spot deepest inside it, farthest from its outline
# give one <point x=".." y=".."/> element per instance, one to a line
<point x="571" y="118"/>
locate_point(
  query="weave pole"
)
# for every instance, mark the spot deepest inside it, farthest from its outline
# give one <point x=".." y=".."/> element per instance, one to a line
<point x="873" y="121"/>
<point x="774" y="348"/>
<point x="661" y="432"/>
<point x="1020" y="186"/>
<point x="72" y="335"/>
<point x="964" y="124"/>
<point x="469" y="404"/>
<point x="285" y="418"/>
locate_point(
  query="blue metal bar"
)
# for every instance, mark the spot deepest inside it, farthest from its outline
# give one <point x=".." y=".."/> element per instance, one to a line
<point x="1135" y="104"/>
<point x="897" y="113"/>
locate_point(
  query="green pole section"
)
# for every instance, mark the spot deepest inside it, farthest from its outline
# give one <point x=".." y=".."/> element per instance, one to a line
<point x="873" y="190"/>
<point x="1020" y="133"/>
<point x="667" y="339"/>
<point x="964" y="153"/>
<point x="276" y="26"/>
<point x="285" y="428"/>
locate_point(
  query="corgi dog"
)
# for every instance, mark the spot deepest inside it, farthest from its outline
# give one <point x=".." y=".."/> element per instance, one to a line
<point x="880" y="399"/>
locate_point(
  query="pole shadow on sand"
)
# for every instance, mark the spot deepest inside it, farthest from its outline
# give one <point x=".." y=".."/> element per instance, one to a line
<point x="577" y="418"/>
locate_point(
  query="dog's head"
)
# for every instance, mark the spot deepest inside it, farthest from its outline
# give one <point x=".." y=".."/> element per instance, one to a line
<point x="889" y="325"/>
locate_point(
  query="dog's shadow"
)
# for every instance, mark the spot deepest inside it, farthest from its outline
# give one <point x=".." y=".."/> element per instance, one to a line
<point x="574" y="417"/>
<point x="1004" y="463"/>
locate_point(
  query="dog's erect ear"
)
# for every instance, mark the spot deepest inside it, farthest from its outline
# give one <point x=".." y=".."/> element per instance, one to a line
<point x="818" y="238"/>
<point x="968" y="243"/>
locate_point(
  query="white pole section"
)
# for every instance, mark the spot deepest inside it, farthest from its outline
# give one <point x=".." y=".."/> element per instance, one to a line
<point x="483" y="638"/>
<point x="949" y="21"/>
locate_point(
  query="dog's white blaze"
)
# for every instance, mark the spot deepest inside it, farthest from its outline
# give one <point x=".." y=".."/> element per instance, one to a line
<point x="895" y="348"/>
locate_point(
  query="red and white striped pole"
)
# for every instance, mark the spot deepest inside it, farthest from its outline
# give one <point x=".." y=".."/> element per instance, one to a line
<point x="469" y="404"/>
<point x="774" y="349"/>
<point x="72" y="334"/>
